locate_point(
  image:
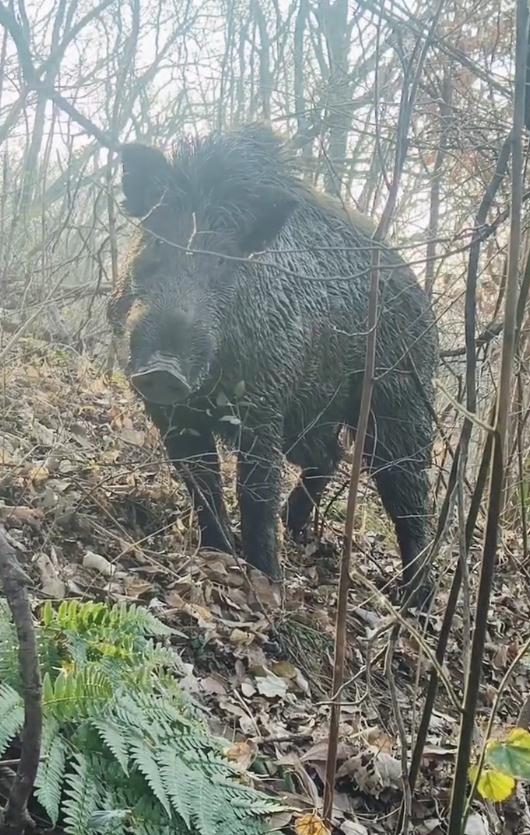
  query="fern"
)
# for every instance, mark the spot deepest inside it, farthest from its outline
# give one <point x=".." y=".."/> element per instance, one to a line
<point x="123" y="750"/>
<point x="207" y="817"/>
<point x="148" y="820"/>
<point x="147" y="765"/>
<point x="76" y="693"/>
<point x="179" y="784"/>
<point x="11" y="715"/>
<point x="82" y="795"/>
<point x="113" y="737"/>
<point x="50" y="776"/>
<point x="79" y="618"/>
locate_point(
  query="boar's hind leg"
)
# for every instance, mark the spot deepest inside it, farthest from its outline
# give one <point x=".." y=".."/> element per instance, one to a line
<point x="258" y="486"/>
<point x="196" y="461"/>
<point x="402" y="441"/>
<point x="319" y="458"/>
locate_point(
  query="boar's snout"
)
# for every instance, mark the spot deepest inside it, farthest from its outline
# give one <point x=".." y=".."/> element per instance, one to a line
<point x="161" y="381"/>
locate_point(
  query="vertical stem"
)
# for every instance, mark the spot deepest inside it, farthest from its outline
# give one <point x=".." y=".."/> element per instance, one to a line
<point x="344" y="584"/>
<point x="456" y="817"/>
<point x="461" y="449"/>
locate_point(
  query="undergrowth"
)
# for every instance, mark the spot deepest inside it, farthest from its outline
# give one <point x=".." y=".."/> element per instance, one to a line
<point x="122" y="751"/>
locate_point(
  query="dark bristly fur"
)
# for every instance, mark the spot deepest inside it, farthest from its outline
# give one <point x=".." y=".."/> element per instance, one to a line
<point x="272" y="345"/>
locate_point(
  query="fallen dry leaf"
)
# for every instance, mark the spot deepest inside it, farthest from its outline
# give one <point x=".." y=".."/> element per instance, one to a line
<point x="373" y="771"/>
<point x="241" y="753"/>
<point x="132" y="436"/>
<point x="248" y="689"/>
<point x="96" y="562"/>
<point x="284" y="669"/>
<point x="52" y="584"/>
<point x="240" y="637"/>
<point x="311" y="824"/>
<point x="137" y="587"/>
<point x="213" y="685"/>
<point x="476" y="825"/>
<point x="39" y="475"/>
<point x="271" y="686"/>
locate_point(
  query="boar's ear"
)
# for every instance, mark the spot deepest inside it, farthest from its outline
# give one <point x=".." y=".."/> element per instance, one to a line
<point x="273" y="208"/>
<point x="145" y="177"/>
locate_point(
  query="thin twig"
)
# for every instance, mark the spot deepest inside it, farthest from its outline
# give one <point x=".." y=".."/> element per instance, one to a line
<point x="403" y="739"/>
<point x="456" y="816"/>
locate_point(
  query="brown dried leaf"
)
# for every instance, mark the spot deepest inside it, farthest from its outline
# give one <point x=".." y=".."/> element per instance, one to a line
<point x="311" y="824"/>
<point x="39" y="475"/>
<point x="242" y="753"/>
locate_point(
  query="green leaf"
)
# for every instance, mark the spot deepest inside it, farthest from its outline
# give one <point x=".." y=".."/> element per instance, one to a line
<point x="47" y="613"/>
<point x="492" y="785"/>
<point x="118" y="733"/>
<point x="512" y="755"/>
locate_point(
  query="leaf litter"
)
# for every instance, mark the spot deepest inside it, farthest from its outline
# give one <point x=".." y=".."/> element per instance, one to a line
<point x="90" y="501"/>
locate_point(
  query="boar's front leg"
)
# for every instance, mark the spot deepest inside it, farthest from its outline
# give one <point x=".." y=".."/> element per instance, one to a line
<point x="194" y="456"/>
<point x="259" y="486"/>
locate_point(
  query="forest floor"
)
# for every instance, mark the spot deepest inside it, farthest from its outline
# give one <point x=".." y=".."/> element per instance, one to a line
<point x="87" y="494"/>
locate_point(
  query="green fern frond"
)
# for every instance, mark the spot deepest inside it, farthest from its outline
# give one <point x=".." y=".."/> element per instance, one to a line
<point x="178" y="782"/>
<point x="50" y="776"/>
<point x="82" y="795"/>
<point x="138" y="619"/>
<point x="166" y="716"/>
<point x="144" y="759"/>
<point x="11" y="715"/>
<point x="80" y="617"/>
<point x="150" y="819"/>
<point x="77" y="693"/>
<point x="119" y="734"/>
<point x="208" y="815"/>
<point x="112" y="735"/>
<point x="128" y="713"/>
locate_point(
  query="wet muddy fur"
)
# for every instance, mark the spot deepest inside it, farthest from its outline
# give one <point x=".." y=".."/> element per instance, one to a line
<point x="257" y="286"/>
